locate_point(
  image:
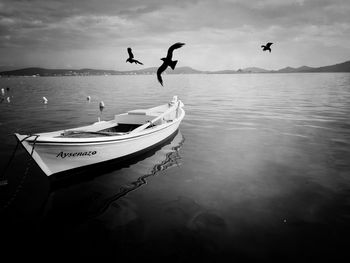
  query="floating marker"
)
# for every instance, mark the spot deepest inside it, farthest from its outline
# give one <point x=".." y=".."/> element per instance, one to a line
<point x="45" y="100"/>
<point x="8" y="99"/>
<point x="102" y="105"/>
<point x="88" y="98"/>
<point x="2" y="91"/>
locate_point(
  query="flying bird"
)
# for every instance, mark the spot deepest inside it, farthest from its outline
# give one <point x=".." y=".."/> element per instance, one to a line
<point x="167" y="61"/>
<point x="131" y="58"/>
<point x="267" y="46"/>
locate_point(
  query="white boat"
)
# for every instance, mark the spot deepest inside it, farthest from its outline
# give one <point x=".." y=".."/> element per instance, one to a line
<point x="126" y="135"/>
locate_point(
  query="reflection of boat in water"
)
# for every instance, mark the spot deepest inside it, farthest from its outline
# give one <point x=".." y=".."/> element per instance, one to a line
<point x="161" y="157"/>
<point x="127" y="134"/>
<point x="96" y="193"/>
<point x="164" y="158"/>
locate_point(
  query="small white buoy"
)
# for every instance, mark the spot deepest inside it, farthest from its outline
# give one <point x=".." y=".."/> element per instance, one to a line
<point x="8" y="99"/>
<point x="45" y="100"/>
<point x="102" y="105"/>
<point x="2" y="91"/>
<point x="88" y="98"/>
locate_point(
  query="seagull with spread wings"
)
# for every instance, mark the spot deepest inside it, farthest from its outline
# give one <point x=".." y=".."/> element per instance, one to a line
<point x="131" y="58"/>
<point x="267" y="46"/>
<point x="167" y="61"/>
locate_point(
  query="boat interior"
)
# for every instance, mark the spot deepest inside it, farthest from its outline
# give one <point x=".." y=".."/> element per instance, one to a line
<point x="122" y="124"/>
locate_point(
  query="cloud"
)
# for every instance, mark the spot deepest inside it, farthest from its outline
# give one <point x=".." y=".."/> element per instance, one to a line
<point x="217" y="33"/>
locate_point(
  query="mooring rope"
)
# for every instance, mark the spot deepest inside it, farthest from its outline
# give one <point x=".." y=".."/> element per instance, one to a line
<point x="9" y="161"/>
<point x="20" y="185"/>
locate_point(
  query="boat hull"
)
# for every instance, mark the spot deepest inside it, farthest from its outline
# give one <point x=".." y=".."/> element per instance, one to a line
<point x="53" y="157"/>
<point x="92" y="170"/>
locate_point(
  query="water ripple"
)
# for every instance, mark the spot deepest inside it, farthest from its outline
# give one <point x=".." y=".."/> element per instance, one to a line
<point x="171" y="159"/>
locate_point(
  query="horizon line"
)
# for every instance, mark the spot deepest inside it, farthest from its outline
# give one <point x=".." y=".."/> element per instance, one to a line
<point x="153" y="67"/>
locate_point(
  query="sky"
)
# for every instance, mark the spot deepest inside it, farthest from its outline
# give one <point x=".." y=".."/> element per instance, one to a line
<point x="225" y="34"/>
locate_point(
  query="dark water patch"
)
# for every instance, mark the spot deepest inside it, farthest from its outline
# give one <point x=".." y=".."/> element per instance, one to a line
<point x="171" y="159"/>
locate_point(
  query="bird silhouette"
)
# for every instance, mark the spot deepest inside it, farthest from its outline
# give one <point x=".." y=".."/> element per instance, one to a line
<point x="267" y="46"/>
<point x="167" y="61"/>
<point x="131" y="58"/>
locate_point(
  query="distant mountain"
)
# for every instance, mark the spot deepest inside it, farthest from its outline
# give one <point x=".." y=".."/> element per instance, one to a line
<point x="255" y="70"/>
<point x="183" y="70"/>
<point x="294" y="70"/>
<point x="303" y="68"/>
<point x="153" y="70"/>
<point x="57" y="72"/>
<point x="228" y="71"/>
<point x="287" y="70"/>
<point x="87" y="72"/>
<point x="341" y="67"/>
<point x="7" y="68"/>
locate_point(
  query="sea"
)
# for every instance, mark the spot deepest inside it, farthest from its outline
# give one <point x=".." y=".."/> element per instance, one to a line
<point x="259" y="171"/>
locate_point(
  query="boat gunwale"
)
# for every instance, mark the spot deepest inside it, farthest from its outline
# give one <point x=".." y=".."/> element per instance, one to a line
<point x="104" y="139"/>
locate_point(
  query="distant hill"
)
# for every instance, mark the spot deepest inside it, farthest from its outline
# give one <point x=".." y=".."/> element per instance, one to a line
<point x="56" y="72"/>
<point x="183" y="70"/>
<point x="286" y="70"/>
<point x="303" y="68"/>
<point x="228" y="71"/>
<point x="341" y="67"/>
<point x="294" y="70"/>
<point x="153" y="70"/>
<point x="7" y="68"/>
<point x="87" y="72"/>
<point x="255" y="70"/>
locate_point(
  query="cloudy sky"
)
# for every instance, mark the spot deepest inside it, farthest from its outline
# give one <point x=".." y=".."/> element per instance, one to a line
<point x="225" y="34"/>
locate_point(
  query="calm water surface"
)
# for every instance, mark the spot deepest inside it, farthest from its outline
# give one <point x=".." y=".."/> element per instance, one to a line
<point x="259" y="170"/>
